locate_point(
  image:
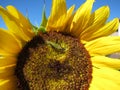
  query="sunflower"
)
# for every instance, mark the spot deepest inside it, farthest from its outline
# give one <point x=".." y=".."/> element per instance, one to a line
<point x="70" y="50"/>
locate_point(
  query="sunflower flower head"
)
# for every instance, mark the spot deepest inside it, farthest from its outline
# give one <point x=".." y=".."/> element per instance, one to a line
<point x="69" y="51"/>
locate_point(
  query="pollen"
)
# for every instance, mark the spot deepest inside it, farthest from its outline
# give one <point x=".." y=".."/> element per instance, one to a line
<point x="54" y="61"/>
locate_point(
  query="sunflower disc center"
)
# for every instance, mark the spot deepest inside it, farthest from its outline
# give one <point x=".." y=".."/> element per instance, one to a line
<point x="53" y="61"/>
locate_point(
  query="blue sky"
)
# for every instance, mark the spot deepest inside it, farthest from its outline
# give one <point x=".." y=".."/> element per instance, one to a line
<point x="34" y="8"/>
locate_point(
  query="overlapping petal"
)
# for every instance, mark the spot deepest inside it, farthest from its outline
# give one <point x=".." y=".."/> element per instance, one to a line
<point x="105" y="79"/>
<point x="104" y="45"/>
<point x="7" y="71"/>
<point x="105" y="30"/>
<point x="59" y="15"/>
<point x="9" y="83"/>
<point x="102" y="61"/>
<point x="96" y="21"/>
<point x="13" y="24"/>
<point x="24" y="23"/>
<point x="81" y="18"/>
<point x="99" y="17"/>
<point x="7" y="60"/>
<point x="8" y="43"/>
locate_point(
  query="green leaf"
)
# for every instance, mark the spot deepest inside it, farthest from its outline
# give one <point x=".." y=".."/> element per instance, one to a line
<point x="42" y="29"/>
<point x="44" y="19"/>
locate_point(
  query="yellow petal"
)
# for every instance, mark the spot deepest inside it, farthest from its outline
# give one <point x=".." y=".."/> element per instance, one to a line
<point x="81" y="18"/>
<point x="105" y="79"/>
<point x="99" y="16"/>
<point x="96" y="21"/>
<point x="25" y="24"/>
<point x="102" y="61"/>
<point x="13" y="25"/>
<point x="67" y="28"/>
<point x="107" y="73"/>
<point x="106" y="30"/>
<point x="9" y="83"/>
<point x="58" y="9"/>
<point x="94" y="86"/>
<point x="63" y="22"/>
<point x="104" y="45"/>
<point x="99" y="83"/>
<point x="59" y="17"/>
<point x="6" y="71"/>
<point x="7" y="60"/>
<point x="8" y="43"/>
